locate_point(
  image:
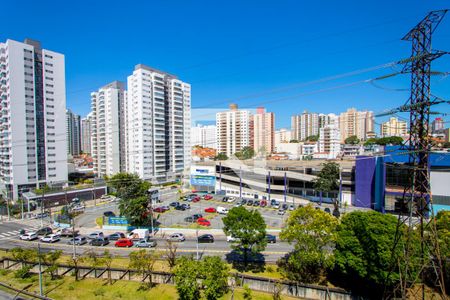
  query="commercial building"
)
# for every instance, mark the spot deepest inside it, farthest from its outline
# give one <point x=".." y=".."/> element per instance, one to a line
<point x="437" y="125"/>
<point x="356" y="123"/>
<point x="73" y="129"/>
<point x="233" y="130"/>
<point x="394" y="127"/>
<point x="263" y="131"/>
<point x="304" y="125"/>
<point x="108" y="129"/>
<point x="329" y="142"/>
<point x="86" y="133"/>
<point x="298" y="150"/>
<point x="158" y="121"/>
<point x="204" y="136"/>
<point x="33" y="140"/>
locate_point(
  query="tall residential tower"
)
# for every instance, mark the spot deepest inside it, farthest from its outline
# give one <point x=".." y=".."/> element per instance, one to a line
<point x="33" y="142"/>
<point x="233" y="130"/>
<point x="73" y="129"/>
<point x="158" y="115"/>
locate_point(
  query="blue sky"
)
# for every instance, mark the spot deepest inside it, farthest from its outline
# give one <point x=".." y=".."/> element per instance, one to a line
<point x="249" y="52"/>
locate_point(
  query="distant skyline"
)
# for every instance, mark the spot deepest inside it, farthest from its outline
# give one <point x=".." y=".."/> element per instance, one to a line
<point x="253" y="53"/>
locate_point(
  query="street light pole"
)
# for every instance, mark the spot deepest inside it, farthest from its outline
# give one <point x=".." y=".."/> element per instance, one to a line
<point x="41" y="293"/>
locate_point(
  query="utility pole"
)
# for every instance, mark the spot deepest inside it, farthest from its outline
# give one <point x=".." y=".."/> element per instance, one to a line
<point x="41" y="292"/>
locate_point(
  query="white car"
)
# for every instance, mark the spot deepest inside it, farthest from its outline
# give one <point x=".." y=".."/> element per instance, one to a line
<point x="231" y="199"/>
<point x="231" y="238"/>
<point x="28" y="236"/>
<point x="222" y="210"/>
<point x="51" y="238"/>
<point x="176" y="237"/>
<point x="281" y="212"/>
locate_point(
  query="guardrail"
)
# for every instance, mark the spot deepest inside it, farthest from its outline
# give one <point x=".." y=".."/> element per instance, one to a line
<point x="23" y="292"/>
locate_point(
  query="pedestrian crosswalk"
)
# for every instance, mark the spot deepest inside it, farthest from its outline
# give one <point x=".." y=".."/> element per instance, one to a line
<point x="27" y="225"/>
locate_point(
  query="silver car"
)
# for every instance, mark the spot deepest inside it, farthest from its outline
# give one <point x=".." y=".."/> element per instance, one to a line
<point x="176" y="237"/>
<point x="145" y="243"/>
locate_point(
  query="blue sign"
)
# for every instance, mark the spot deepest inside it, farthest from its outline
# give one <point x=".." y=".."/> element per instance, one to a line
<point x="117" y="221"/>
<point x="202" y="180"/>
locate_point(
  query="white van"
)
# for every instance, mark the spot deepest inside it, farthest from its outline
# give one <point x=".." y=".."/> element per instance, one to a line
<point x="137" y="234"/>
<point x="222" y="210"/>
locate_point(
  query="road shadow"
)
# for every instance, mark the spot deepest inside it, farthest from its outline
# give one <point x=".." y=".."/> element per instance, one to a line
<point x="255" y="261"/>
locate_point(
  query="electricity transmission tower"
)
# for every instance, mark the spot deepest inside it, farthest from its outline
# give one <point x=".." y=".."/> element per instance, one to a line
<point x="416" y="205"/>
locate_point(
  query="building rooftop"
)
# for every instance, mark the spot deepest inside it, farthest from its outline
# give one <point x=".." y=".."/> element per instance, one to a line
<point x="145" y="67"/>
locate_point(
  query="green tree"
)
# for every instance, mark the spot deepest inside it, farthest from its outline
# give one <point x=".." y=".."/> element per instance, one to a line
<point x="293" y="141"/>
<point x="312" y="138"/>
<point x="446" y="145"/>
<point x="107" y="259"/>
<point x="51" y="259"/>
<point x="136" y="211"/>
<point x="249" y="230"/>
<point x="221" y="156"/>
<point x="247" y="293"/>
<point x="443" y="233"/>
<point x="370" y="142"/>
<point x="26" y="257"/>
<point x="245" y="153"/>
<point x="313" y="233"/>
<point x="144" y="262"/>
<point x="328" y="178"/>
<point x="215" y="277"/>
<point x="128" y="186"/>
<point x="186" y="273"/>
<point x="364" y="256"/>
<point x="352" y="140"/>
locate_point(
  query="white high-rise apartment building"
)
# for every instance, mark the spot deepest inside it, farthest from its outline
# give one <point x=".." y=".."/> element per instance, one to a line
<point x="329" y="141"/>
<point x="263" y="131"/>
<point x="204" y="135"/>
<point x="328" y="119"/>
<point x="282" y="136"/>
<point x="73" y="129"/>
<point x="394" y="127"/>
<point x="86" y="134"/>
<point x="233" y="130"/>
<point x="353" y="122"/>
<point x="108" y="129"/>
<point x="33" y="141"/>
<point x="158" y="125"/>
<point x="304" y="125"/>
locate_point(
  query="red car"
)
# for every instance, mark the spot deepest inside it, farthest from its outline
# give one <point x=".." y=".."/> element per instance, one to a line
<point x="263" y="203"/>
<point x="203" y="222"/>
<point x="196" y="199"/>
<point x="210" y="210"/>
<point x="124" y="243"/>
<point x="161" y="209"/>
<point x="207" y="197"/>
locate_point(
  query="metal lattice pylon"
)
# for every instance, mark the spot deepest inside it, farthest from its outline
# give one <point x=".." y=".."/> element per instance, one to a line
<point x="416" y="210"/>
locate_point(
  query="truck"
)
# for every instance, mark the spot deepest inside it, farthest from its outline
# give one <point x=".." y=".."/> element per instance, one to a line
<point x="222" y="210"/>
<point x="137" y="234"/>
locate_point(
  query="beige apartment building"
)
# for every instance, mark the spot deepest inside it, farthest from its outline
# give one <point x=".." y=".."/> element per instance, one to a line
<point x="353" y="122"/>
<point x="233" y="130"/>
<point x="394" y="127"/>
<point x="262" y="131"/>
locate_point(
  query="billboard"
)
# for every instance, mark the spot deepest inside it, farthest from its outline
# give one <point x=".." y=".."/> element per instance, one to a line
<point x="203" y="176"/>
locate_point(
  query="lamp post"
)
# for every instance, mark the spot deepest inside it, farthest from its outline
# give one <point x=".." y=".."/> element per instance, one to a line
<point x="41" y="292"/>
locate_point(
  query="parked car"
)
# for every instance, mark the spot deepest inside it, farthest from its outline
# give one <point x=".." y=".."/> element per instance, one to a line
<point x="95" y="235"/>
<point x="205" y="238"/>
<point x="145" y="243"/>
<point x="109" y="214"/>
<point x="30" y="236"/>
<point x="41" y="215"/>
<point x="189" y="219"/>
<point x="225" y="199"/>
<point x="186" y="205"/>
<point x="124" y="243"/>
<point x="250" y="202"/>
<point x="161" y="209"/>
<point x="174" y="204"/>
<point x="292" y="207"/>
<point x="196" y="199"/>
<point x="203" y="222"/>
<point x="180" y="207"/>
<point x="138" y="234"/>
<point x="44" y="231"/>
<point x="231" y="199"/>
<point x="243" y="201"/>
<point x="116" y="236"/>
<point x="207" y="197"/>
<point x="176" y="237"/>
<point x="273" y="202"/>
<point x="197" y="216"/>
<point x="51" y="238"/>
<point x="231" y="238"/>
<point x="69" y="232"/>
<point x="281" y="211"/>
<point x="79" y="240"/>
<point x="99" y="242"/>
<point x="210" y="210"/>
<point x="327" y="210"/>
<point x="276" y="205"/>
<point x="256" y="203"/>
<point x="222" y="210"/>
<point x="285" y="206"/>
<point x="263" y="203"/>
<point x="271" y="238"/>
